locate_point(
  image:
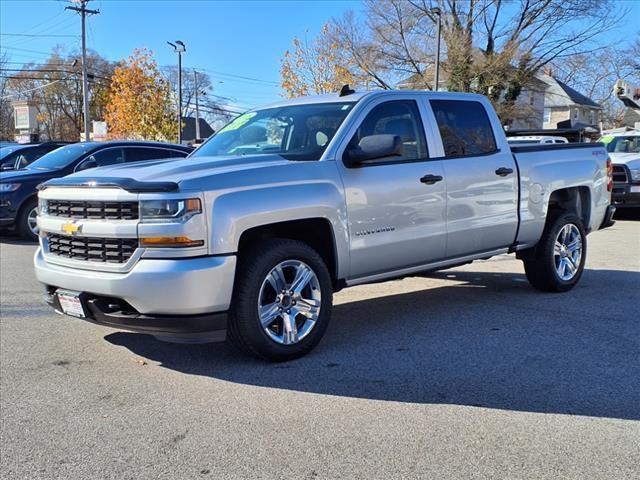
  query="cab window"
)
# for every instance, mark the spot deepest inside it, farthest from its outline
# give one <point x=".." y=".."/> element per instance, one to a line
<point x="464" y="127"/>
<point x="401" y="118"/>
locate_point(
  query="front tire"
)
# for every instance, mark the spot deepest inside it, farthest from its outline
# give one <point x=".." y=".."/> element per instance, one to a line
<point x="27" y="226"/>
<point x="557" y="262"/>
<point x="282" y="300"/>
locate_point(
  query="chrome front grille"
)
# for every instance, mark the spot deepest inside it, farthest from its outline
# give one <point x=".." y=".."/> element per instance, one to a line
<point x="93" y="209"/>
<point x="620" y="174"/>
<point x="92" y="249"/>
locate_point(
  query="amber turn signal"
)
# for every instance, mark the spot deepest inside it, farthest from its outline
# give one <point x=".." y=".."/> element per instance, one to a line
<point x="170" y="242"/>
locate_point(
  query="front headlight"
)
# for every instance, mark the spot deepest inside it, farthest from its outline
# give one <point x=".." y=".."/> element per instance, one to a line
<point x="154" y="211"/>
<point x="635" y="174"/>
<point x="9" y="187"/>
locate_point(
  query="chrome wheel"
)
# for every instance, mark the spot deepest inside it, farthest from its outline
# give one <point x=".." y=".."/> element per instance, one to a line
<point x="32" y="221"/>
<point x="289" y="302"/>
<point x="567" y="252"/>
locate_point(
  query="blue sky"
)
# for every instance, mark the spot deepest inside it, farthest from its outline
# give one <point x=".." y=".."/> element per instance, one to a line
<point x="244" y="39"/>
<point x="227" y="39"/>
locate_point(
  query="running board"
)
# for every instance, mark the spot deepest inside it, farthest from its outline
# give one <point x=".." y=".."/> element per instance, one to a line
<point x="404" y="272"/>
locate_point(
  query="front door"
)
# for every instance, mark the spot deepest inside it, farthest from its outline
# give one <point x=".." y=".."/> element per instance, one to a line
<point x="395" y="205"/>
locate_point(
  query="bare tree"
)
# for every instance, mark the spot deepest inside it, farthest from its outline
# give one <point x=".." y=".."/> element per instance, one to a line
<point x="595" y="74"/>
<point x="317" y="66"/>
<point x="54" y="86"/>
<point x="493" y="47"/>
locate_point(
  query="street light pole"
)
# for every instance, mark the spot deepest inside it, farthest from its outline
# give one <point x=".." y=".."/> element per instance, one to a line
<point x="438" y="12"/>
<point x="195" y="81"/>
<point x="179" y="48"/>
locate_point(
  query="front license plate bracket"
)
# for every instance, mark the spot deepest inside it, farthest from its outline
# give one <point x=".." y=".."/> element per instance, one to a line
<point x="72" y="303"/>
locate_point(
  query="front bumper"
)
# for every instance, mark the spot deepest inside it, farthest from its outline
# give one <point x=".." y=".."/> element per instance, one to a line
<point x="6" y="222"/>
<point x="161" y="296"/>
<point x="8" y="214"/>
<point x="626" y="195"/>
<point x="115" y="314"/>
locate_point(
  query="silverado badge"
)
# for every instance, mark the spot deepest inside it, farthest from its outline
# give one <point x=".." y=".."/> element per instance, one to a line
<point x="71" y="228"/>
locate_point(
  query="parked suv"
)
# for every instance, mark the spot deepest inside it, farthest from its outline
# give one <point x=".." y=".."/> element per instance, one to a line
<point x="624" y="151"/>
<point x="252" y="234"/>
<point x="14" y="157"/>
<point x="18" y="200"/>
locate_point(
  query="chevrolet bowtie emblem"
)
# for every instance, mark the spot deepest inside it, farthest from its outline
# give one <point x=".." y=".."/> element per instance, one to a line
<point x="71" y="228"/>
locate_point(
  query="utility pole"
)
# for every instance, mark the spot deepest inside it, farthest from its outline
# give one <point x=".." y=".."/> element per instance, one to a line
<point x="438" y="12"/>
<point x="195" y="80"/>
<point x="84" y="11"/>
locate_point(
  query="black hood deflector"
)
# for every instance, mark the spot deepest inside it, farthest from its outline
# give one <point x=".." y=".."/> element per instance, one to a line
<point x="128" y="184"/>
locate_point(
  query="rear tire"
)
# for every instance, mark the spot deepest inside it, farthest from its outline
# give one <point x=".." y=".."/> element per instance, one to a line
<point x="557" y="262"/>
<point x="26" y="221"/>
<point x="272" y="315"/>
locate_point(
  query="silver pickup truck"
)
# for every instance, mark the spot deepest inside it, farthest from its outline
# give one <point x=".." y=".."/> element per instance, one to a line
<point x="249" y="237"/>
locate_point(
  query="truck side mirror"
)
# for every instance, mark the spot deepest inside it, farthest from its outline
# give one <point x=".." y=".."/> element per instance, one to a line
<point x="373" y="147"/>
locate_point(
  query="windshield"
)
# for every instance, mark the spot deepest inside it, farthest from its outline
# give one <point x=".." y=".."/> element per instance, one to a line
<point x="630" y="144"/>
<point x="61" y="157"/>
<point x="296" y="132"/>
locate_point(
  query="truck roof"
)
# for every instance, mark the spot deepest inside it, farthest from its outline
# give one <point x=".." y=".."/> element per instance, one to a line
<point x="357" y="96"/>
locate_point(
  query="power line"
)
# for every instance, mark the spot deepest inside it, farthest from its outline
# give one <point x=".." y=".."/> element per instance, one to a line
<point x="26" y="50"/>
<point x="49" y="29"/>
<point x="32" y="89"/>
<point x="47" y="70"/>
<point x="32" y="67"/>
<point x="240" y="77"/>
<point x="36" y="35"/>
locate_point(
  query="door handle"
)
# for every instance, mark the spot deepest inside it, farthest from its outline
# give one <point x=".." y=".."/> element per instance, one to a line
<point x="504" y="171"/>
<point x="431" y="179"/>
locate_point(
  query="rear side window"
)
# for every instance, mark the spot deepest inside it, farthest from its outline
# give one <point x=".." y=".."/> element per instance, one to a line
<point x="139" y="154"/>
<point x="176" y="153"/>
<point x="464" y="127"/>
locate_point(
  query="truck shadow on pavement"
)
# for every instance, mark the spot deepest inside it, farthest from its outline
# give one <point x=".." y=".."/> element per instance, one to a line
<point x="487" y="340"/>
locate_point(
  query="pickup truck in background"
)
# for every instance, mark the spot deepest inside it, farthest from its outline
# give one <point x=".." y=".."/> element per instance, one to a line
<point x="529" y="139"/>
<point x="624" y="151"/>
<point x="249" y="237"/>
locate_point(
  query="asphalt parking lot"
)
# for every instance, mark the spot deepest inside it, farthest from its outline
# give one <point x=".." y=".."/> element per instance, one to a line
<point x="466" y="373"/>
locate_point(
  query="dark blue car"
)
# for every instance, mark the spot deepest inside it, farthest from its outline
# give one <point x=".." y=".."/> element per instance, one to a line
<point x="13" y="157"/>
<point x="18" y="194"/>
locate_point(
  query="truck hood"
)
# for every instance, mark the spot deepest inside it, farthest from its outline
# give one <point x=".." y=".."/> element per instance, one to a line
<point x="623" y="158"/>
<point x="184" y="170"/>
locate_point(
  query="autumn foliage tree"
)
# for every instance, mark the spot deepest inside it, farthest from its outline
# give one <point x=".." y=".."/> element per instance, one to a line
<point x="140" y="105"/>
<point x="315" y="68"/>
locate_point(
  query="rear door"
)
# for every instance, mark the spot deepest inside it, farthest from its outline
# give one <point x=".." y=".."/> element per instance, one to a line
<point x="482" y="180"/>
